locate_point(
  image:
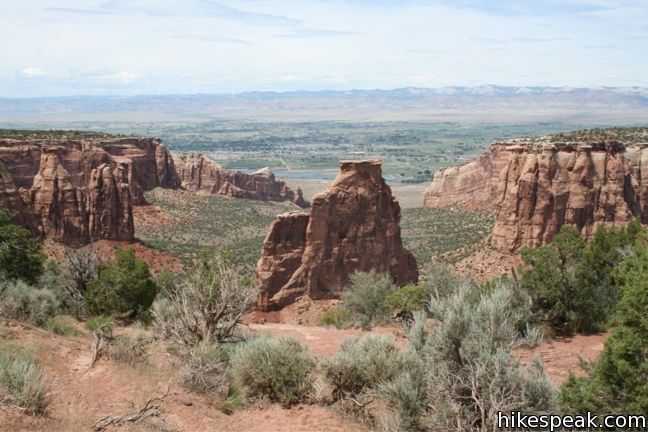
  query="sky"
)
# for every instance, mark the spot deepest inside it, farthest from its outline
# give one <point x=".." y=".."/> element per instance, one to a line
<point x="131" y="47"/>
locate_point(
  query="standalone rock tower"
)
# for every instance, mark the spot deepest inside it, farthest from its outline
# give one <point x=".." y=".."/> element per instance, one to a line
<point x="353" y="225"/>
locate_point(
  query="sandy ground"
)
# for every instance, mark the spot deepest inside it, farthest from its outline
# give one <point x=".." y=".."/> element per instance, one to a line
<point x="81" y="396"/>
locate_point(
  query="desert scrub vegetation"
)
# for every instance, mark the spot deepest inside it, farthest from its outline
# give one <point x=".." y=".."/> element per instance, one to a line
<point x="94" y="323"/>
<point x="123" y="286"/>
<point x="206" y="370"/>
<point x="364" y="299"/>
<point x="456" y="370"/>
<point x="63" y="325"/>
<point x="24" y="302"/>
<point x="128" y="351"/>
<point x="571" y="282"/>
<point x="335" y="316"/>
<point x="201" y="223"/>
<point x="206" y="306"/>
<point x="279" y="369"/>
<point x="23" y="383"/>
<point x="428" y="233"/>
<point x="20" y="254"/>
<point x="362" y="365"/>
<point x="616" y="382"/>
<point x="372" y="298"/>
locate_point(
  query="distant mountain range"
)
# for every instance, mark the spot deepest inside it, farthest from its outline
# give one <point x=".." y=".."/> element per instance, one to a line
<point x="489" y="103"/>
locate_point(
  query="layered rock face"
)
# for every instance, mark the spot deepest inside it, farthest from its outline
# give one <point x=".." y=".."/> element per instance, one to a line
<point x="537" y="185"/>
<point x="148" y="162"/>
<point x="74" y="191"/>
<point x="200" y="174"/>
<point x="352" y="226"/>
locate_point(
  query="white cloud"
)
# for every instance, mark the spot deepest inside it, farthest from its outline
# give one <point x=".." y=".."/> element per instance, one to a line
<point x="177" y="46"/>
<point x="32" y="72"/>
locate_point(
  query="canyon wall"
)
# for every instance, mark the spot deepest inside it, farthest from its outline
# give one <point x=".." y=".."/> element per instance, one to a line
<point x="201" y="174"/>
<point x="352" y="226"/>
<point x="80" y="188"/>
<point x="76" y="191"/>
<point x="536" y="185"/>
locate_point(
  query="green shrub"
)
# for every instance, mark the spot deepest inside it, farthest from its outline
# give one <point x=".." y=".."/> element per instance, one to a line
<point x="570" y="282"/>
<point x="335" y="316"/>
<point x="618" y="380"/>
<point x="23" y="383"/>
<point x="206" y="371"/>
<point x="406" y="394"/>
<point x="20" y="256"/>
<point x="95" y="322"/>
<point x="468" y="368"/>
<point x="23" y="302"/>
<point x="123" y="286"/>
<point x="407" y="300"/>
<point x="277" y="368"/>
<point x="365" y="299"/>
<point x="364" y="363"/>
<point x="61" y="325"/>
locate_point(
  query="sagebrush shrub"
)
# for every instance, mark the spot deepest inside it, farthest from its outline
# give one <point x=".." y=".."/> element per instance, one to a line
<point x="206" y="371"/>
<point x="23" y="383"/>
<point x="277" y="368"/>
<point x="24" y="302"/>
<point x="61" y="325"/>
<point x="365" y="299"/>
<point x="364" y="363"/>
<point x="128" y="351"/>
<point x="334" y="316"/>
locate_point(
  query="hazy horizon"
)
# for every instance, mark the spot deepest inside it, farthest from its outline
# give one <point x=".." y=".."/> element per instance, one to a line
<point x="170" y="47"/>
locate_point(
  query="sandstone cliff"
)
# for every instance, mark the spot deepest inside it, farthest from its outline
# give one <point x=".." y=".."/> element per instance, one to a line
<point x="72" y="190"/>
<point x="76" y="187"/>
<point x="539" y="184"/>
<point x="200" y="174"/>
<point x="352" y="226"/>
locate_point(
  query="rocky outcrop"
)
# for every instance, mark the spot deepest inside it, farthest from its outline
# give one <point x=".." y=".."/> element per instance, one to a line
<point x="81" y="188"/>
<point x="352" y="226"/>
<point x="147" y="162"/>
<point x="199" y="173"/>
<point x="537" y="185"/>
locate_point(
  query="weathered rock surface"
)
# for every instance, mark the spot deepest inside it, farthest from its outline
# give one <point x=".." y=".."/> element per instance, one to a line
<point x="352" y="226"/>
<point x="77" y="188"/>
<point x="537" y="185"/>
<point x="199" y="173"/>
<point x="73" y="190"/>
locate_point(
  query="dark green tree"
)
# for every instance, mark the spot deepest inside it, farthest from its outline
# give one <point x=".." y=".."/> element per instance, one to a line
<point x="123" y="286"/>
<point x="619" y="379"/>
<point x="20" y="255"/>
<point x="551" y="280"/>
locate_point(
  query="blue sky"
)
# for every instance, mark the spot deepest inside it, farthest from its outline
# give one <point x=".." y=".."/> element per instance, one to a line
<point x="129" y="47"/>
